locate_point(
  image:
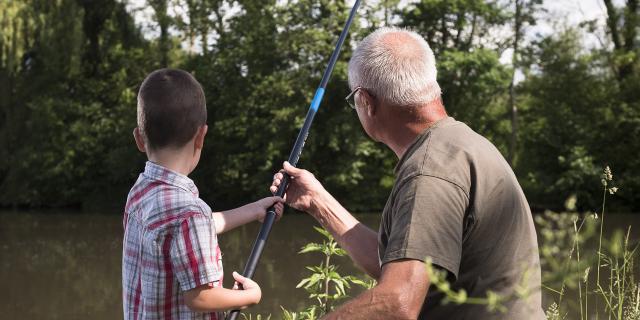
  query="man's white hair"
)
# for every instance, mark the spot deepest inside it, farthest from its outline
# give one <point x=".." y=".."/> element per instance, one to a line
<point x="396" y="65"/>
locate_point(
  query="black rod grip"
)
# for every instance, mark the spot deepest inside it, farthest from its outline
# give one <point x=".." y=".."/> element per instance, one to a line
<point x="261" y="241"/>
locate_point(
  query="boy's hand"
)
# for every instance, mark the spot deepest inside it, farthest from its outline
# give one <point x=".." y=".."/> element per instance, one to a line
<point x="249" y="286"/>
<point x="263" y="204"/>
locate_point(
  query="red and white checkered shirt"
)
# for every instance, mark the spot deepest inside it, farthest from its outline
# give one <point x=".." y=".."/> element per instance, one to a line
<point x="169" y="247"/>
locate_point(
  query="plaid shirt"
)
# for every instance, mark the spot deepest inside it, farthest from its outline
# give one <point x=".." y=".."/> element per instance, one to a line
<point x="170" y="246"/>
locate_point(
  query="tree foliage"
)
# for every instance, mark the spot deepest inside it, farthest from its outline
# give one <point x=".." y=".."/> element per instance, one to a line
<point x="70" y="69"/>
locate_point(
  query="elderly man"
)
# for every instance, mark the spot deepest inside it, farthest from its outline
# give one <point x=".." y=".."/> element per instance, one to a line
<point x="455" y="199"/>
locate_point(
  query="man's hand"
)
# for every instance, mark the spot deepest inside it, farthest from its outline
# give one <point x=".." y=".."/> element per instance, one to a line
<point x="250" y="287"/>
<point x="263" y="204"/>
<point x="303" y="187"/>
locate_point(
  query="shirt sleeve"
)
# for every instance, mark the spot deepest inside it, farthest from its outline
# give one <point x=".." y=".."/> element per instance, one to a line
<point x="427" y="221"/>
<point x="193" y="252"/>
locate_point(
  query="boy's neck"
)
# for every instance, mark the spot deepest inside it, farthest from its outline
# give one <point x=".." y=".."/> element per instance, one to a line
<point x="180" y="161"/>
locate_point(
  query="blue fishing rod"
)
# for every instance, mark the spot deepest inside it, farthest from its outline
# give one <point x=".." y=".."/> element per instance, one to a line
<point x="294" y="156"/>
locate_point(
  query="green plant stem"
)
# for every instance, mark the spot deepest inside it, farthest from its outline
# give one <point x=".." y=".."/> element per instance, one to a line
<point x="622" y="283"/>
<point x="551" y="289"/>
<point x="611" y="270"/>
<point x="604" y="296"/>
<point x="586" y="297"/>
<point x="580" y="292"/>
<point x="326" y="283"/>
<point x="604" y="199"/>
<point x="577" y="232"/>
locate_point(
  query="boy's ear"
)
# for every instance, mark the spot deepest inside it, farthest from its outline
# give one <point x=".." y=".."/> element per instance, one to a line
<point x="137" y="135"/>
<point x="199" y="138"/>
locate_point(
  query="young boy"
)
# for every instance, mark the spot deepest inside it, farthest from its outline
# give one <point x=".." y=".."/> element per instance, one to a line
<point x="172" y="266"/>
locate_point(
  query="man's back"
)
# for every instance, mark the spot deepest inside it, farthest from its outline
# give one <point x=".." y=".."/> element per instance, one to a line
<point x="457" y="201"/>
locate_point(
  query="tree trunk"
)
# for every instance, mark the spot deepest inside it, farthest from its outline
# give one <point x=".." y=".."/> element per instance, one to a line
<point x="513" y="108"/>
<point x="623" y="35"/>
<point x="162" y="18"/>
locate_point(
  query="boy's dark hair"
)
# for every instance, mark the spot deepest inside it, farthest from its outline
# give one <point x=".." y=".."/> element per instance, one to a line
<point x="173" y="107"/>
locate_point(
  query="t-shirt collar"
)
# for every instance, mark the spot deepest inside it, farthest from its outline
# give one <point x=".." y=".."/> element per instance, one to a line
<point x="417" y="142"/>
<point x="157" y="172"/>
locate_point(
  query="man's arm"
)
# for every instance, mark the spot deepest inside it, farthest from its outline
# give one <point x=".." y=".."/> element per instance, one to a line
<point x="360" y="242"/>
<point x="400" y="294"/>
<point x="306" y="193"/>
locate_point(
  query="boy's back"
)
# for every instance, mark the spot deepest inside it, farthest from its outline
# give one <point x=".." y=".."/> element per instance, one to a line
<point x="171" y="262"/>
<point x="170" y="246"/>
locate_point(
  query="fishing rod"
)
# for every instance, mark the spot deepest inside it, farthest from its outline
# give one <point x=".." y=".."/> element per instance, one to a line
<point x="294" y="156"/>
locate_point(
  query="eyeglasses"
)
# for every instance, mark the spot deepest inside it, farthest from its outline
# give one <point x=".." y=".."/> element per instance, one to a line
<point x="351" y="98"/>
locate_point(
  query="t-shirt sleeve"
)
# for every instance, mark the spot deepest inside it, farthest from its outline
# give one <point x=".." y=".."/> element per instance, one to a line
<point x="427" y="221"/>
<point x="193" y="252"/>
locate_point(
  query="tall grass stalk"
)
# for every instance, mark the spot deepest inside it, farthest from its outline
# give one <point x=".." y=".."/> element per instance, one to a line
<point x="607" y="176"/>
<point x="618" y="292"/>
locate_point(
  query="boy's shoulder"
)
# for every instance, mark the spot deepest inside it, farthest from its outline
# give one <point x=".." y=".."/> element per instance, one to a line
<point x="158" y="202"/>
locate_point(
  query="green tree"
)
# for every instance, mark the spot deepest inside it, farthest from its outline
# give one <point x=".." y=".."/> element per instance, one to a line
<point x="473" y="81"/>
<point x="582" y="112"/>
<point x="259" y="79"/>
<point x="67" y="138"/>
<point x="523" y="16"/>
<point x="565" y="107"/>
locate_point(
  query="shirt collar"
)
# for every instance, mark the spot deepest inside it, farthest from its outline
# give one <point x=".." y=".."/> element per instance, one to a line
<point x="157" y="172"/>
<point x="417" y="142"/>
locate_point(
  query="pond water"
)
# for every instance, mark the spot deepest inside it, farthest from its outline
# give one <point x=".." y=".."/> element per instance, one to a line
<point x="68" y="265"/>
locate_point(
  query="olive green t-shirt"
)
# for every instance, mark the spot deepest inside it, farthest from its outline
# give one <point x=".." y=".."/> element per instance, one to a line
<point x="457" y="201"/>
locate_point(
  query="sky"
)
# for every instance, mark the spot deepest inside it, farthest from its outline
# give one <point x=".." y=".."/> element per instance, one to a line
<point x="558" y="11"/>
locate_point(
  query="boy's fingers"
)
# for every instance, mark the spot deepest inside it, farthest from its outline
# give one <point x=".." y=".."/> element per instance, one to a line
<point x="240" y="279"/>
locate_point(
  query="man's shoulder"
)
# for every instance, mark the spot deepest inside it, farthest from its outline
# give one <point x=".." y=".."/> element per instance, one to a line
<point x="449" y="151"/>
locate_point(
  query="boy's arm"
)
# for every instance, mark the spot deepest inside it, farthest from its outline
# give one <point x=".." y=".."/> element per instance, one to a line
<point x="207" y="299"/>
<point x="230" y="219"/>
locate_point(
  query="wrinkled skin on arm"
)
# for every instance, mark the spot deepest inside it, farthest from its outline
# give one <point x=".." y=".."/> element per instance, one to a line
<point x="400" y="294"/>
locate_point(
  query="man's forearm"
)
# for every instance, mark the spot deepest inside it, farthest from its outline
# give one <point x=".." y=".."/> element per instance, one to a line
<point x="371" y="304"/>
<point x="357" y="239"/>
<point x="400" y="294"/>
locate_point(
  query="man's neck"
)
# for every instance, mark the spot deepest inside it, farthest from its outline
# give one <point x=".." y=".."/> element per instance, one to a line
<point x="404" y="136"/>
<point x="401" y="134"/>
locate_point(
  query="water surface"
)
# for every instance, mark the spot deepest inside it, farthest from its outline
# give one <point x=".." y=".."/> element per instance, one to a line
<point x="68" y="265"/>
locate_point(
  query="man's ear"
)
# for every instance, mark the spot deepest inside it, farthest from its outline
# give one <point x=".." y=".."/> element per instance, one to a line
<point x="369" y="103"/>
<point x="199" y="138"/>
<point x="137" y="135"/>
